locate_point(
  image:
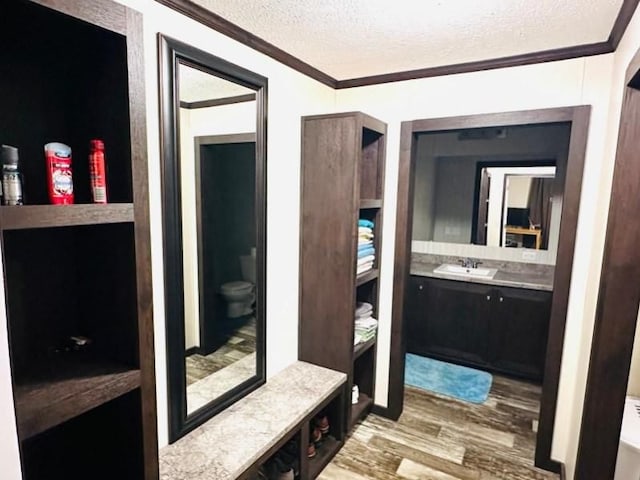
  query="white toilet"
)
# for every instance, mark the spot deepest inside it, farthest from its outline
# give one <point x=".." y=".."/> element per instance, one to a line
<point x="240" y="295"/>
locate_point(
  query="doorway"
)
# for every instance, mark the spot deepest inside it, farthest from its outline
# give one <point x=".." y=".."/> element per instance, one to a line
<point x="577" y="118"/>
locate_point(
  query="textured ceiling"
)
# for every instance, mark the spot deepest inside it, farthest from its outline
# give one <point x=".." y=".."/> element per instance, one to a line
<point x="356" y="38"/>
<point x="196" y="85"/>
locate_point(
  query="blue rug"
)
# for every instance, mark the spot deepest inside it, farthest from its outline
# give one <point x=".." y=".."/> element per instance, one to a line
<point x="463" y="383"/>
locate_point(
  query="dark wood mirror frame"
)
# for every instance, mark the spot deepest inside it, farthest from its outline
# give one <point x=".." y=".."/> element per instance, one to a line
<point x="171" y="54"/>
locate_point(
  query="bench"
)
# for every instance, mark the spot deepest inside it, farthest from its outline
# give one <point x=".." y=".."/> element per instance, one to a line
<point x="236" y="442"/>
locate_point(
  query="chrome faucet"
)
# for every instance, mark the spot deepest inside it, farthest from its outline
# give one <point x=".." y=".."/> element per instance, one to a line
<point x="469" y="263"/>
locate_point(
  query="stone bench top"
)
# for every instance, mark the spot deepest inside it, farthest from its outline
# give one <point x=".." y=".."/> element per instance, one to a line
<point x="227" y="445"/>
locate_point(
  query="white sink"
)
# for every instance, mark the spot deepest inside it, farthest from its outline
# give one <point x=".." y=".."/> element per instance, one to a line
<point x="465" y="271"/>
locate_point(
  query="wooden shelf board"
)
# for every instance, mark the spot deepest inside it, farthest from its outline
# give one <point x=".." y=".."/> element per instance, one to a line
<point x="360" y="409"/>
<point x="47" y="216"/>
<point x="362" y="348"/>
<point x="370" y="203"/>
<point x="323" y="456"/>
<point x="71" y="390"/>
<point x="366" y="277"/>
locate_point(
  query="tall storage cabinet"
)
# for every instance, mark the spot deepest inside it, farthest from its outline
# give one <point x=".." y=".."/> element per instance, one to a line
<point x="73" y="71"/>
<point x="342" y="181"/>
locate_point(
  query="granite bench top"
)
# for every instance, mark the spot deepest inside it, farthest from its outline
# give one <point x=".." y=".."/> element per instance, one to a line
<point x="532" y="277"/>
<point x="224" y="447"/>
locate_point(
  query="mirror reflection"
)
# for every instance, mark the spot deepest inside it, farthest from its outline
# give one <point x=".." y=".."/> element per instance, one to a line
<point x="217" y="138"/>
<point x="498" y="187"/>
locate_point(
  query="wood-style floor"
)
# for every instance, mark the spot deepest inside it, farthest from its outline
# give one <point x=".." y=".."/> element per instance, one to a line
<point x="241" y="342"/>
<point x="439" y="438"/>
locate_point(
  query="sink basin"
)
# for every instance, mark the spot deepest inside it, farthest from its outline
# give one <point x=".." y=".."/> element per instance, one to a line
<point x="466" y="272"/>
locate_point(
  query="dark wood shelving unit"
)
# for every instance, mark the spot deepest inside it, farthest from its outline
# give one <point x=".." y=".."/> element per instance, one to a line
<point x="360" y="409"/>
<point x="80" y="270"/>
<point x="362" y="348"/>
<point x="48" y="216"/>
<point x="343" y="158"/>
<point x="43" y="404"/>
<point x="324" y="454"/>
<point x="367" y="277"/>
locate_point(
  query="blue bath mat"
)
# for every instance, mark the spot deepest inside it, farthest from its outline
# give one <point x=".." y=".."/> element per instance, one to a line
<point x="463" y="383"/>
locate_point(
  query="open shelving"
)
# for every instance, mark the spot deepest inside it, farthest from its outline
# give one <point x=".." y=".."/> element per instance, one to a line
<point x="342" y="181"/>
<point x="78" y="271"/>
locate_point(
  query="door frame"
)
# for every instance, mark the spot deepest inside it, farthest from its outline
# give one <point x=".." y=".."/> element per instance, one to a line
<point x="578" y="116"/>
<point x="618" y="300"/>
<point x="198" y="142"/>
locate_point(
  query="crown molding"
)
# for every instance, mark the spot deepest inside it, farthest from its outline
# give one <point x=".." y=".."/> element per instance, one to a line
<point x="216" y="22"/>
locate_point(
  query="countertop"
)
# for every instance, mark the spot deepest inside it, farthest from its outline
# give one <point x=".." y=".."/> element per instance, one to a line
<point x="227" y="445"/>
<point x="532" y="280"/>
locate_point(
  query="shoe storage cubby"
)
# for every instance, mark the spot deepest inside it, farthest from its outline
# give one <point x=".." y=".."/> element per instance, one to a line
<point x="77" y="278"/>
<point x="343" y="159"/>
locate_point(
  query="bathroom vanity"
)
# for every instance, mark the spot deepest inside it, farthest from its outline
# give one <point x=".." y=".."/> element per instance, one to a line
<point x="499" y="324"/>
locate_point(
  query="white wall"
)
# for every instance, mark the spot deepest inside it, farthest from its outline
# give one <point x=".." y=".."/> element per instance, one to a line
<point x="572" y="82"/>
<point x="519" y="188"/>
<point x="291" y="95"/>
<point x="9" y="454"/>
<point x="581" y="340"/>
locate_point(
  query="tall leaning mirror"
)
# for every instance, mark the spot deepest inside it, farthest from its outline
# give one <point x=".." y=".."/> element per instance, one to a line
<point x="213" y="123"/>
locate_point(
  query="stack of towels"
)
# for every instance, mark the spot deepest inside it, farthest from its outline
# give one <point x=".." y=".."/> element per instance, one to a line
<point x="366" y="325"/>
<point x="366" y="250"/>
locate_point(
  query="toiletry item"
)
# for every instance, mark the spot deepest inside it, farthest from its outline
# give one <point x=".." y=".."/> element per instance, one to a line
<point x="59" y="177"/>
<point x="98" y="172"/>
<point x="11" y="177"/>
<point x="355" y="395"/>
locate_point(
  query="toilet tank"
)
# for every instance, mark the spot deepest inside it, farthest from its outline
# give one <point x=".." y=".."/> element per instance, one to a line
<point x="248" y="267"/>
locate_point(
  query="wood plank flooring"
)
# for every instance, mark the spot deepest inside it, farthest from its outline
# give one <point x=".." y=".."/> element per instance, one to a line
<point x="241" y="342"/>
<point x="439" y="438"/>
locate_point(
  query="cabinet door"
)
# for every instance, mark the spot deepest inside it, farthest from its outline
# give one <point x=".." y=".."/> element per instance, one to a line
<point x="457" y="316"/>
<point x="415" y="316"/>
<point x="518" y="331"/>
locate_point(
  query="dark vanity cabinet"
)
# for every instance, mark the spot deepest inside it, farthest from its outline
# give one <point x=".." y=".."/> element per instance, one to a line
<point x="497" y="328"/>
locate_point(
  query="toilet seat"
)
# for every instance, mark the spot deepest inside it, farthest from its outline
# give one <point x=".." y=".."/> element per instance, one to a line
<point x="236" y="287"/>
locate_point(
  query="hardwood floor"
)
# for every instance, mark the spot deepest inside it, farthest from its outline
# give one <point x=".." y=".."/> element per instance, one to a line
<point x="439" y="438"/>
<point x="241" y="342"/>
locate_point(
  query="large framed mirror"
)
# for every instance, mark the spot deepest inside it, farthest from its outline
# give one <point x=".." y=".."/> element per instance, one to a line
<point x="213" y="127"/>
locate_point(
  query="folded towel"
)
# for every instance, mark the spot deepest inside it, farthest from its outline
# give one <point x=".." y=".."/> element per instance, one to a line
<point x="365" y="237"/>
<point x="364" y="268"/>
<point x="365" y="223"/>
<point x="364" y="244"/>
<point x="365" y="230"/>
<point x="367" y="259"/>
<point x="366" y="252"/>
<point x="363" y="309"/>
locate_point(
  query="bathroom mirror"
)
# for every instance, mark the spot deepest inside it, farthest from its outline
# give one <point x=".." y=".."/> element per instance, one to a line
<point x="213" y="184"/>
<point x="497" y="187"/>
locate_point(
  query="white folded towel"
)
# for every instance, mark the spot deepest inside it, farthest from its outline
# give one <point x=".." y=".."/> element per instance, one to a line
<point x="367" y="259"/>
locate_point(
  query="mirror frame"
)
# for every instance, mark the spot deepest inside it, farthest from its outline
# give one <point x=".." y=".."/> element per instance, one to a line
<point x="172" y="53"/>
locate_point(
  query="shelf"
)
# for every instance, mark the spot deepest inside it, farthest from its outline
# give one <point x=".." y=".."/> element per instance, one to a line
<point x="362" y="348"/>
<point x="370" y="203"/>
<point x="46" y="216"/>
<point x="73" y="389"/>
<point x="324" y="454"/>
<point x="366" y="277"/>
<point x="360" y="409"/>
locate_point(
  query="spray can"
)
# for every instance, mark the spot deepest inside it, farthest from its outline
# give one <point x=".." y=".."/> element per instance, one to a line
<point x="59" y="177"/>
<point x="98" y="172"/>
<point x="11" y="177"/>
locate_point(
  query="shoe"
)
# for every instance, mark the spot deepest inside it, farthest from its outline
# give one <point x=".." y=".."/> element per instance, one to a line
<point x="311" y="451"/>
<point x="322" y="423"/>
<point x="282" y="471"/>
<point x="316" y="436"/>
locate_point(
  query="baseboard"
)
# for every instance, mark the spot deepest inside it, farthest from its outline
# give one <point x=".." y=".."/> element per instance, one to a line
<point x="385" y="412"/>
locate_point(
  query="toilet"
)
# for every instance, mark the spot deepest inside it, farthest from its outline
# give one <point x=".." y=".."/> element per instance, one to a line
<point x="628" y="464"/>
<point x="240" y="295"/>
